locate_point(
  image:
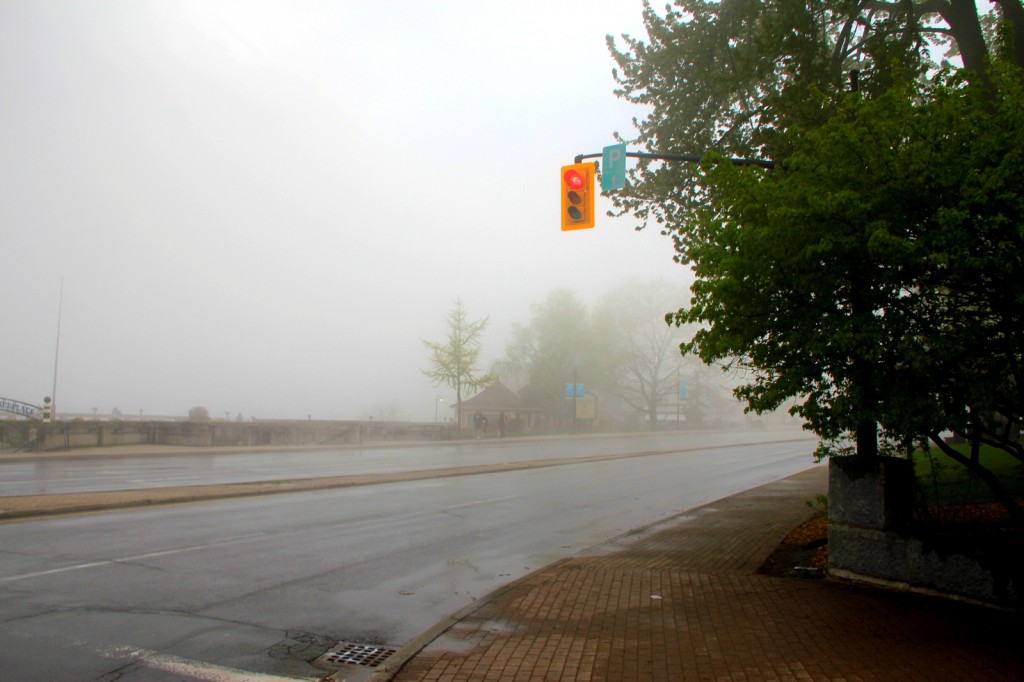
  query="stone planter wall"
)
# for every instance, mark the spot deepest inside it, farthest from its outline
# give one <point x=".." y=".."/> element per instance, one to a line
<point x="870" y="538"/>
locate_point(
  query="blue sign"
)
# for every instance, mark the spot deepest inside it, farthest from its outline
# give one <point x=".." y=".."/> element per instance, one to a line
<point x="575" y="390"/>
<point x="682" y="389"/>
<point x="613" y="167"/>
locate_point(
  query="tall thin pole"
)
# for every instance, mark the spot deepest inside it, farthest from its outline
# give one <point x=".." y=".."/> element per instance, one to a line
<point x="574" y="392"/>
<point x="56" y="355"/>
<point x="679" y="392"/>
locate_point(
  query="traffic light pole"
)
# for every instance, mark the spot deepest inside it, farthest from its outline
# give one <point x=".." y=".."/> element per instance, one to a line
<point x="689" y="158"/>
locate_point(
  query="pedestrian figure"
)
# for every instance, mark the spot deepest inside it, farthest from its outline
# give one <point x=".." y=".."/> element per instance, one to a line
<point x="502" y="423"/>
<point x="478" y="423"/>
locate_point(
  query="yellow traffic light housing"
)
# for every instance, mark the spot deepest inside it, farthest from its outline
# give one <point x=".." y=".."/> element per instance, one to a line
<point x="578" y="196"/>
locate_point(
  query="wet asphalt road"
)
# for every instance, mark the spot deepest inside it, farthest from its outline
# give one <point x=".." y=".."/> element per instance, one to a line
<point x="259" y="586"/>
<point x="26" y="474"/>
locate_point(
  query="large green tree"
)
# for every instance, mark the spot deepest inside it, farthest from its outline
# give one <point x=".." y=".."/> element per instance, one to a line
<point x="965" y="168"/>
<point x="877" y="276"/>
<point x="746" y="79"/>
<point x="736" y="75"/>
<point x="871" y="272"/>
<point x="453" y="362"/>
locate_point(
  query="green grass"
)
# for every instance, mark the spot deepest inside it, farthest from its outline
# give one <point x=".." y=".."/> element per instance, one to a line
<point x="942" y="482"/>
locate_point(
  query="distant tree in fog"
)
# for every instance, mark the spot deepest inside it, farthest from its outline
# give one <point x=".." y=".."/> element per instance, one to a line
<point x="556" y="347"/>
<point x="387" y="411"/>
<point x="642" y="349"/>
<point x="199" y="414"/>
<point x="624" y="348"/>
<point x="453" y="362"/>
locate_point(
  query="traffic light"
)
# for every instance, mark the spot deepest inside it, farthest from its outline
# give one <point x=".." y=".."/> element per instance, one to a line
<point x="578" y="196"/>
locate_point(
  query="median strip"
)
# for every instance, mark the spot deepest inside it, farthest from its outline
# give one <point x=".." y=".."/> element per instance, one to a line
<point x="54" y="504"/>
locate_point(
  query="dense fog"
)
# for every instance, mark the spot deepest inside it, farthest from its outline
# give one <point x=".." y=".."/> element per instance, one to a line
<point x="263" y="208"/>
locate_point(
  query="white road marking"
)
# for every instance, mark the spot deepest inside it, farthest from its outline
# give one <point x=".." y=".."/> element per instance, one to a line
<point x="198" y="670"/>
<point x="137" y="557"/>
<point x="477" y="503"/>
<point x="210" y="672"/>
<point x="108" y="562"/>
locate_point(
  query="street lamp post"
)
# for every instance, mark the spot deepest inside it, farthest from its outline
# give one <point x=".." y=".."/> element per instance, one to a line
<point x="575" y="390"/>
<point x="678" y="396"/>
<point x="440" y="400"/>
<point x="56" y="354"/>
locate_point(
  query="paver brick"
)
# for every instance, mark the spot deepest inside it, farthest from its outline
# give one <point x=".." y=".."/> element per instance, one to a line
<point x="682" y="601"/>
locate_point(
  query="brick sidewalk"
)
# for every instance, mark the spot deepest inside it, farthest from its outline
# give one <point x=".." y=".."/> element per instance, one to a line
<point x="683" y="601"/>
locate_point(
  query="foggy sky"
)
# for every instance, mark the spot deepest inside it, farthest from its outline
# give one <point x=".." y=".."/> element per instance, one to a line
<point x="263" y="207"/>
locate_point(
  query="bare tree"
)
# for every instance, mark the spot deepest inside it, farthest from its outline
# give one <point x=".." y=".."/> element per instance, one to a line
<point x="640" y="346"/>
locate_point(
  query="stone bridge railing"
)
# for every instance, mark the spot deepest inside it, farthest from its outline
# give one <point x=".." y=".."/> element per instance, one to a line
<point x="29" y="436"/>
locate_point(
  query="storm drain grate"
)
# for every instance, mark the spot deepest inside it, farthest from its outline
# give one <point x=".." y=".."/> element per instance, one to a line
<point x="357" y="654"/>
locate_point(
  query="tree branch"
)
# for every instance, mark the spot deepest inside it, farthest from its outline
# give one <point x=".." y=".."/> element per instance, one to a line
<point x="1002" y="495"/>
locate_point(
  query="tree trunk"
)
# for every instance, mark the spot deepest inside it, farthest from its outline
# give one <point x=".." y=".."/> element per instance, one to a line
<point x="867" y="439"/>
<point x="862" y="368"/>
<point x="964" y="25"/>
<point x="1013" y="12"/>
<point x="458" y="409"/>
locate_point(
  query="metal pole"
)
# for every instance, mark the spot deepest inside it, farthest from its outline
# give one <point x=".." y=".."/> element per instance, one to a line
<point x="56" y="355"/>
<point x="677" y="397"/>
<point x="688" y="158"/>
<point x="574" y="392"/>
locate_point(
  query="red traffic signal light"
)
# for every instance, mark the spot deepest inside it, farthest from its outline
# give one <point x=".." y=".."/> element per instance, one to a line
<point x="578" y="196"/>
